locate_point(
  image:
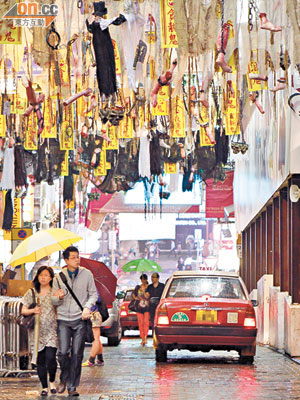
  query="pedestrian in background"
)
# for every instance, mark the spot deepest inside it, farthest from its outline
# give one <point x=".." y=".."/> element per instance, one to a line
<point x="180" y="264"/>
<point x="155" y="289"/>
<point x="48" y="342"/>
<point x="172" y="249"/>
<point x="97" y="348"/>
<point x="70" y="318"/>
<point x="142" y="308"/>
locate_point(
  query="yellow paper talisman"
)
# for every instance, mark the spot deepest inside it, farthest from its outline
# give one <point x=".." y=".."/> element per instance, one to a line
<point x="101" y="169"/>
<point x="126" y="128"/>
<point x="162" y="107"/>
<point x="167" y="20"/>
<point x="117" y="57"/>
<point x="170" y="168"/>
<point x="67" y="136"/>
<point x="10" y="34"/>
<point x="64" y="171"/>
<point x="2" y="126"/>
<point x="20" y="104"/>
<point x="232" y="125"/>
<point x="178" y="130"/>
<point x="112" y="134"/>
<point x="255" y="84"/>
<point x="50" y="130"/>
<point x="31" y="134"/>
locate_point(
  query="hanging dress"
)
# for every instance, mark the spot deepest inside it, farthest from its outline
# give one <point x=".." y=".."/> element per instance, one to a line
<point x="104" y="54"/>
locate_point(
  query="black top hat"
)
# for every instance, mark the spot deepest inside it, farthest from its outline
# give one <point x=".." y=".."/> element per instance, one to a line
<point x="99" y="8"/>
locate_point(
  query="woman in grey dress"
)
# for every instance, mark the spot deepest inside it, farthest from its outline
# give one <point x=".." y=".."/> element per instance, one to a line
<point x="48" y="342"/>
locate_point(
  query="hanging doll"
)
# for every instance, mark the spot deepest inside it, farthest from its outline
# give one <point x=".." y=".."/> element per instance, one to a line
<point x="103" y="48"/>
<point x="20" y="168"/>
<point x="35" y="103"/>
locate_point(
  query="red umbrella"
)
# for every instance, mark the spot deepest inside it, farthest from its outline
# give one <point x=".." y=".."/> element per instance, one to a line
<point x="105" y="280"/>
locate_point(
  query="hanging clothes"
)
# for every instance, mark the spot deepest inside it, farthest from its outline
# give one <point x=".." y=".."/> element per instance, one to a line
<point x="8" y="176"/>
<point x="155" y="153"/>
<point x="144" y="155"/>
<point x="196" y="24"/>
<point x="131" y="33"/>
<point x="20" y="168"/>
<point x="8" y="212"/>
<point x="104" y="54"/>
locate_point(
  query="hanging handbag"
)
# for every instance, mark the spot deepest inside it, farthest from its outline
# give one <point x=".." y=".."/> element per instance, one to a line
<point x="102" y="310"/>
<point x="132" y="305"/>
<point x="27" y="321"/>
<point x="89" y="336"/>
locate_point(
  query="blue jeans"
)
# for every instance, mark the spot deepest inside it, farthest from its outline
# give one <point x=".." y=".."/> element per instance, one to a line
<point x="71" y="336"/>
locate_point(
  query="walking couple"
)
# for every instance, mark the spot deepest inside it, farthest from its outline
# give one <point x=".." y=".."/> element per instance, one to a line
<point x="62" y="323"/>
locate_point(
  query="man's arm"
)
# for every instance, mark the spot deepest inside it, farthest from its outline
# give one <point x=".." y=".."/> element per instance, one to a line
<point x="92" y="293"/>
<point x="56" y="288"/>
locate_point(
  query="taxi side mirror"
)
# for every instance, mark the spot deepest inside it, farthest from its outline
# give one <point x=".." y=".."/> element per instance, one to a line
<point x="254" y="303"/>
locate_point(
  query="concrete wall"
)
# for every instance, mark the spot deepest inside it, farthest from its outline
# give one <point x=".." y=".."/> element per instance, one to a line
<point x="277" y="317"/>
<point x="263" y="309"/>
<point x="278" y="320"/>
<point x="291" y="328"/>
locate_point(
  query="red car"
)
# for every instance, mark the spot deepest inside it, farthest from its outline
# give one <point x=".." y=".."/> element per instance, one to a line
<point x="128" y="318"/>
<point x="203" y="311"/>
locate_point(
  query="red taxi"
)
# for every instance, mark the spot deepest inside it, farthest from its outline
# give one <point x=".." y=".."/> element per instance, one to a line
<point x="128" y="318"/>
<point x="203" y="311"/>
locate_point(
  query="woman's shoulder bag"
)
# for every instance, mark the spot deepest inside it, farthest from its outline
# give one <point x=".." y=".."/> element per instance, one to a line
<point x="27" y="321"/>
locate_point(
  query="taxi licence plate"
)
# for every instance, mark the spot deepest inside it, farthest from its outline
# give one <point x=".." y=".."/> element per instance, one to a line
<point x="207" y="316"/>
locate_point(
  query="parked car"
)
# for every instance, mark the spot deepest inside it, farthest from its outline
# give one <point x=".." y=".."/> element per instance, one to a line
<point x="111" y="328"/>
<point x="128" y="318"/>
<point x="201" y="311"/>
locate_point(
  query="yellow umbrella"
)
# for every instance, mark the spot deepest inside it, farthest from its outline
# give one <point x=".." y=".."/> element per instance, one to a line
<point x="42" y="244"/>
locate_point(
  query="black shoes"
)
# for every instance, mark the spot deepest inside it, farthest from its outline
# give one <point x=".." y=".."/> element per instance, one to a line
<point x="44" y="393"/>
<point x="73" y="393"/>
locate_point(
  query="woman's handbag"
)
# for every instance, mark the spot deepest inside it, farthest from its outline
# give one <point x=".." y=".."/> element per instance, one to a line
<point x="89" y="336"/>
<point x="132" y="305"/>
<point x="27" y="321"/>
<point x="102" y="310"/>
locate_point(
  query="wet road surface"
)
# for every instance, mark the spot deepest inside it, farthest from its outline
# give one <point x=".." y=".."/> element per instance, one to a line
<point x="131" y="373"/>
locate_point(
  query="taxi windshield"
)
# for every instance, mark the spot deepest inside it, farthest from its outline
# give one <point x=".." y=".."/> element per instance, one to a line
<point x="219" y="287"/>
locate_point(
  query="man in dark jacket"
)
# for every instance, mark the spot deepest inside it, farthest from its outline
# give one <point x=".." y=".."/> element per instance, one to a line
<point x="154" y="290"/>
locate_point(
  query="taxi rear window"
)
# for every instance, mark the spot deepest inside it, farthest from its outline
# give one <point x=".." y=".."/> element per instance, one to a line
<point x="219" y="287"/>
<point x="128" y="295"/>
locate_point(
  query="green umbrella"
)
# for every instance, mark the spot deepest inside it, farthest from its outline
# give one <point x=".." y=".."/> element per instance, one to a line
<point x="140" y="265"/>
